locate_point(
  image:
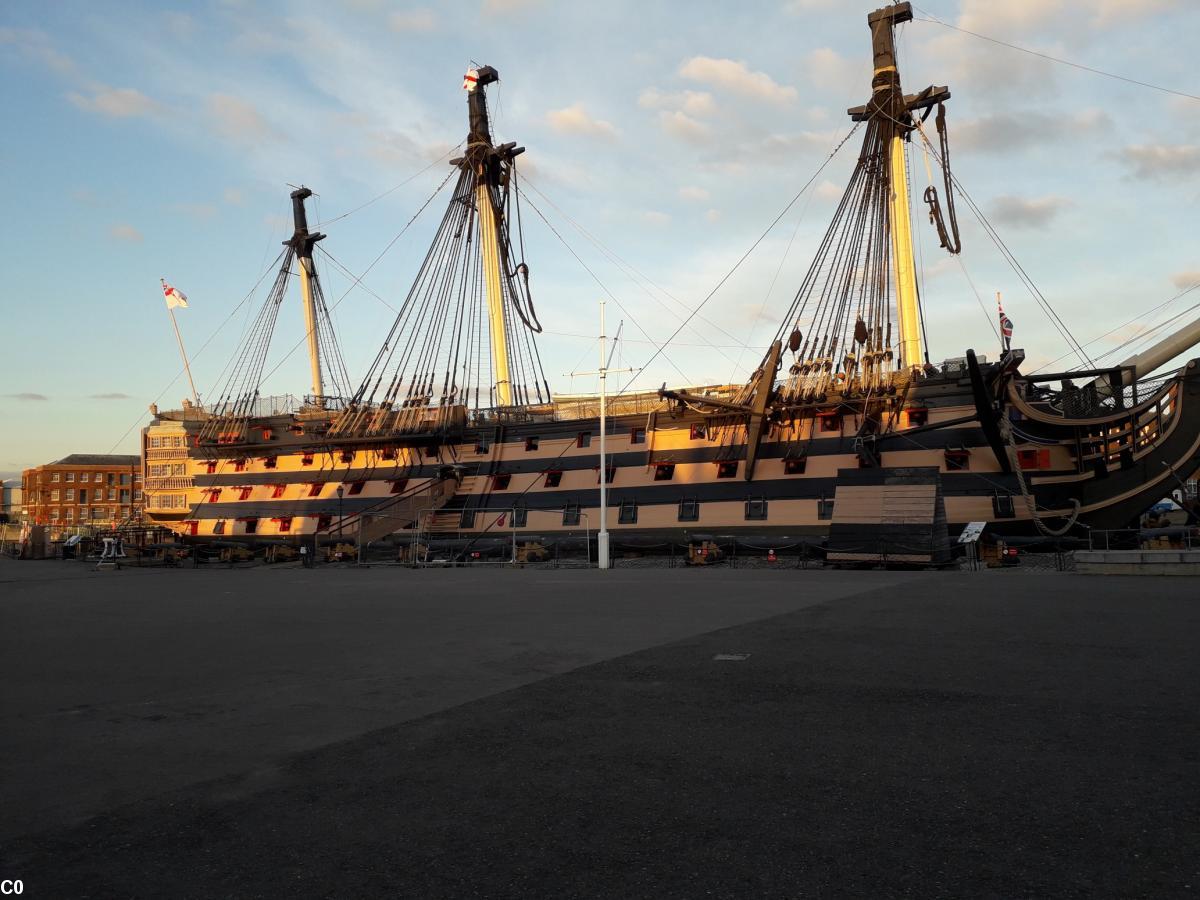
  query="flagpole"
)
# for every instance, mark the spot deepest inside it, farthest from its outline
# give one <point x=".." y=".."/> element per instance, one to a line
<point x="179" y="338"/>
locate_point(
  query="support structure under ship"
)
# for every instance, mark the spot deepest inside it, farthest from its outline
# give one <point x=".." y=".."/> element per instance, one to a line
<point x="454" y="434"/>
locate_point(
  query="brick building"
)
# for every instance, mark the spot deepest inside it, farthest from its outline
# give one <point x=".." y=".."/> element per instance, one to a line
<point x="98" y="489"/>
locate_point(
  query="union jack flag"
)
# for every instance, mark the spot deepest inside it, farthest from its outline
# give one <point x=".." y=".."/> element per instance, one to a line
<point x="1006" y="325"/>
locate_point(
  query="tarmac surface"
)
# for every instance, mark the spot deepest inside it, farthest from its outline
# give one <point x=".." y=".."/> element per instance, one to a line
<point x="637" y="733"/>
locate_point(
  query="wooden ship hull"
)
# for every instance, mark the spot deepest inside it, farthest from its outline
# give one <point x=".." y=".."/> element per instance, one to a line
<point x="674" y="474"/>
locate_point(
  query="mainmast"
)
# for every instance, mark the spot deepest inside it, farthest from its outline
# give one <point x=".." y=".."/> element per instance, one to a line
<point x="302" y="242"/>
<point x="484" y="159"/>
<point x="892" y="112"/>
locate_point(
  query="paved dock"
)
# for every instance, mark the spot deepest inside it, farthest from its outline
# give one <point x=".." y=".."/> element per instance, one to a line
<point x="553" y="733"/>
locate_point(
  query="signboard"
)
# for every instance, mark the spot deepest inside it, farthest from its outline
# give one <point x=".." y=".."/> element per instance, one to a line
<point x="971" y="533"/>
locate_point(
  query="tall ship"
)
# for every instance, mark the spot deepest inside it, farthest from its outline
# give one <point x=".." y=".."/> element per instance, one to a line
<point x="454" y="433"/>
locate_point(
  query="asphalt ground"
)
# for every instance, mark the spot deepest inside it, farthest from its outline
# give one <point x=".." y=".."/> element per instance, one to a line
<point x="652" y="733"/>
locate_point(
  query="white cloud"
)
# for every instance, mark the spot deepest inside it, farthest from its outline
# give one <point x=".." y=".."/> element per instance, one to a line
<point x="1004" y="132"/>
<point x="413" y="20"/>
<point x="695" y="103"/>
<point x="713" y="215"/>
<point x="505" y="7"/>
<point x="1185" y="280"/>
<point x="827" y="190"/>
<point x="681" y="125"/>
<point x="233" y="197"/>
<point x="36" y="45"/>
<point x="127" y="233"/>
<point x="237" y="119"/>
<point x="1160" y="161"/>
<point x="656" y="218"/>
<point x="1031" y="212"/>
<point x="692" y="192"/>
<point x="199" y="211"/>
<point x="117" y="103"/>
<point x="180" y="24"/>
<point x="1111" y="12"/>
<point x="736" y="77"/>
<point x="575" y="119"/>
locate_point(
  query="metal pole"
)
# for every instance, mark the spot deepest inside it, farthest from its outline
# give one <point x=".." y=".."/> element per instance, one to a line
<point x="340" y="491"/>
<point x="602" y="534"/>
<point x="186" y="365"/>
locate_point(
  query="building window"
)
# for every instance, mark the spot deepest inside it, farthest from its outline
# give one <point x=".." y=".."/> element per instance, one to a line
<point x="323" y="522"/>
<point x="698" y="432"/>
<point x="689" y="510"/>
<point x="137" y="496"/>
<point x="111" y="478"/>
<point x="571" y="514"/>
<point x="125" y="496"/>
<point x="637" y="435"/>
<point x="1002" y="506"/>
<point x="794" y="466"/>
<point x="727" y="469"/>
<point x="824" y="508"/>
<point x="70" y="477"/>
<point x="584" y="439"/>
<point x="306" y="459"/>
<point x="610" y="474"/>
<point x="97" y="494"/>
<point x="664" y="471"/>
<point x="97" y="512"/>
<point x="83" y="513"/>
<point x="399" y="485"/>
<point x="69" y="514"/>
<point x="628" y="513"/>
<point x="520" y="517"/>
<point x="55" y="476"/>
<point x="431" y="451"/>
<point x="211" y="466"/>
<point x="481" y="447"/>
<point x="553" y="479"/>
<point x="112" y="493"/>
<point x="277" y="491"/>
<point x="388" y="453"/>
<point x="70" y="495"/>
<point x="285" y="524"/>
<point x="356" y="487"/>
<point x="467" y="519"/>
<point x="917" y="416"/>
<point x="756" y="509"/>
<point x="54" y="515"/>
<point x="219" y="527"/>
<point x="531" y="444"/>
<point x="269" y="462"/>
<point x="251" y="525"/>
<point x="54" y="496"/>
<point x="125" y="478"/>
<point x="214" y="495"/>
<point x="239" y="465"/>
<point x="244" y="493"/>
<point x="500" y="481"/>
<point x="347" y="456"/>
<point x="314" y="489"/>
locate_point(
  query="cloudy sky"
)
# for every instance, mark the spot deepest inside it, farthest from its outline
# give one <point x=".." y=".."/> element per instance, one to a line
<point x="663" y="139"/>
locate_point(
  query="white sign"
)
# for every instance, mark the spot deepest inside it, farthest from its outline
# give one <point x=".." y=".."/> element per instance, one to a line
<point x="971" y="533"/>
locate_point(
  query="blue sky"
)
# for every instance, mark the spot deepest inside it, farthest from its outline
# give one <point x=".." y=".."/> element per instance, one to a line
<point x="144" y="142"/>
